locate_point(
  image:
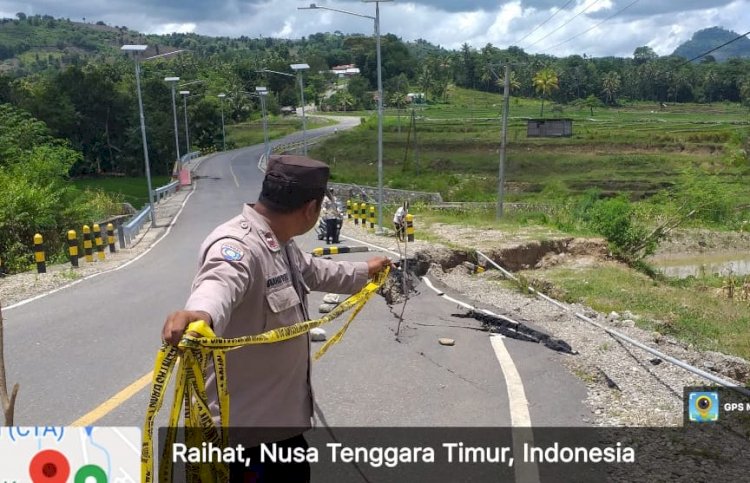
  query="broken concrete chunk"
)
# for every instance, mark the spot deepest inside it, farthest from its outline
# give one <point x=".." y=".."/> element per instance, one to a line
<point x="331" y="298"/>
<point x="317" y="334"/>
<point x="446" y="341"/>
<point x="325" y="308"/>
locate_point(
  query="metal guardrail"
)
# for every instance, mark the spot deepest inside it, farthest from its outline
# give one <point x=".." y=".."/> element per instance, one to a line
<point x="132" y="227"/>
<point x="128" y="231"/>
<point x="164" y="191"/>
<point x="679" y="363"/>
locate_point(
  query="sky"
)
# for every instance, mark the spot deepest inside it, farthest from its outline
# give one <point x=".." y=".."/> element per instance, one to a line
<point x="596" y="28"/>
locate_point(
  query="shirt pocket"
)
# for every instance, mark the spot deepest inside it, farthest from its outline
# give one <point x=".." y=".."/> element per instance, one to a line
<point x="282" y="305"/>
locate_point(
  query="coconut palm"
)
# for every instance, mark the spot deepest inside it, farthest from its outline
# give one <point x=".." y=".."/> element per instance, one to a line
<point x="545" y="81"/>
<point x="515" y="84"/>
<point x="611" y="84"/>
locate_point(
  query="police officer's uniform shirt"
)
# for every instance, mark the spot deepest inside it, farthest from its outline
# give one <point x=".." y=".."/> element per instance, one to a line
<point x="249" y="283"/>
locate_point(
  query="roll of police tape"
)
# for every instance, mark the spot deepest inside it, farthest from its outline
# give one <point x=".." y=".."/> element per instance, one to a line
<point x="190" y="398"/>
<point x="320" y="251"/>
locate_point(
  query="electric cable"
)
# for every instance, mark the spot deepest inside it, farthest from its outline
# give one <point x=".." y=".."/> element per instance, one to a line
<point x="564" y="24"/>
<point x="541" y="24"/>
<point x="595" y="26"/>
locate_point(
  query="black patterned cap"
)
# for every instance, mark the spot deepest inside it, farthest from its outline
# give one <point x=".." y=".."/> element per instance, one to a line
<point x="293" y="180"/>
<point x="307" y="172"/>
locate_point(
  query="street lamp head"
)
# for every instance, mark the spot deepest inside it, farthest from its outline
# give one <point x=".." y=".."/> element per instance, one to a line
<point x="261" y="89"/>
<point x="221" y="96"/>
<point x="299" y="66"/>
<point x="134" y="48"/>
<point x="185" y="93"/>
<point x="376" y="1"/>
<point x="171" y="79"/>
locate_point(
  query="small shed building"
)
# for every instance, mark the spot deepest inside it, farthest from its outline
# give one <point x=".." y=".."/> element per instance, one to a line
<point x="536" y="128"/>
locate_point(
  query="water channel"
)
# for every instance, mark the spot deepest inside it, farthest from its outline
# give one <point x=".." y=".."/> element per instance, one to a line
<point x="722" y="263"/>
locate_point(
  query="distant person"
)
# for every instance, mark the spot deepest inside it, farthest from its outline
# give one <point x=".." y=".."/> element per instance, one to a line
<point x="398" y="222"/>
<point x="331" y="216"/>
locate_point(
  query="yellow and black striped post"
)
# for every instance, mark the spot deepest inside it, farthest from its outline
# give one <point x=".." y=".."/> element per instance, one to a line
<point x="73" y="247"/>
<point x="363" y="214"/>
<point x="111" y="237"/>
<point x="355" y="212"/>
<point x="87" y="251"/>
<point x="41" y="264"/>
<point x="348" y="209"/>
<point x="98" y="242"/>
<point x="410" y="227"/>
<point x="319" y="252"/>
<point x="372" y="218"/>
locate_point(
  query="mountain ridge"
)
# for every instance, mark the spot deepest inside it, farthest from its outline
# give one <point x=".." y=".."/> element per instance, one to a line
<point x="710" y="38"/>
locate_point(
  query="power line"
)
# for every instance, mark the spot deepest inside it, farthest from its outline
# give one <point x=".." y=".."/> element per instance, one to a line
<point x="595" y="26"/>
<point x="541" y="24"/>
<point x="564" y="24"/>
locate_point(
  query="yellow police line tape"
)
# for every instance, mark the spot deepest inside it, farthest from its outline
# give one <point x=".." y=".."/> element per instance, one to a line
<point x="190" y="390"/>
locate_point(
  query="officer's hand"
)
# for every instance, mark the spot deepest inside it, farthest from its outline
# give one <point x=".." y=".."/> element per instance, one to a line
<point x="177" y="322"/>
<point x="376" y="264"/>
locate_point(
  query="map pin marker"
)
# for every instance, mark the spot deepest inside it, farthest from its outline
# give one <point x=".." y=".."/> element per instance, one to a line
<point x="49" y="466"/>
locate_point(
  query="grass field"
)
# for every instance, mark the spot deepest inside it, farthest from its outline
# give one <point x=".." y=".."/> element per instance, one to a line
<point x="688" y="309"/>
<point x="637" y="149"/>
<point x="131" y="190"/>
<point x="250" y="133"/>
<point x="651" y="154"/>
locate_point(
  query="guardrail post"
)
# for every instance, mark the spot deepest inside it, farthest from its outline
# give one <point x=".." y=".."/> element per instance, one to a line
<point x="41" y="265"/>
<point x="87" y="251"/>
<point x="73" y="248"/>
<point x="111" y="237"/>
<point x="120" y="233"/>
<point x="98" y="241"/>
<point x="410" y="227"/>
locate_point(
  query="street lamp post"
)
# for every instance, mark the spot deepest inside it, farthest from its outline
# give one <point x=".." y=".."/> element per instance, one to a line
<point x="137" y="49"/>
<point x="263" y="92"/>
<point x="223" y="133"/>
<point x="298" y="68"/>
<point x="184" y="95"/>
<point x="376" y="18"/>
<point x="173" y="81"/>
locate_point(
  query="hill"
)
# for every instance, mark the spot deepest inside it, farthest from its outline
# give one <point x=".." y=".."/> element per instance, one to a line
<point x="707" y="39"/>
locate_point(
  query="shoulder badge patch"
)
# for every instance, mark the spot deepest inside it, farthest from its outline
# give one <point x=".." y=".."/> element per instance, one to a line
<point x="270" y="241"/>
<point x="231" y="253"/>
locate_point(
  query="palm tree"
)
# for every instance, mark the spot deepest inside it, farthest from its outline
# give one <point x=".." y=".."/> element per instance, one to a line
<point x="545" y="81"/>
<point x="709" y="83"/>
<point x="611" y="86"/>
<point x="515" y="84"/>
<point x="345" y="101"/>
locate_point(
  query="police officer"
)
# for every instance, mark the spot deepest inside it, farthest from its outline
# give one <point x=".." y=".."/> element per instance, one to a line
<point x="331" y="216"/>
<point x="253" y="278"/>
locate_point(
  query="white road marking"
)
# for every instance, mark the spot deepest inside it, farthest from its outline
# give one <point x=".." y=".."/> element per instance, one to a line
<point x="371" y="245"/>
<point x="520" y="419"/>
<point x="236" y="183"/>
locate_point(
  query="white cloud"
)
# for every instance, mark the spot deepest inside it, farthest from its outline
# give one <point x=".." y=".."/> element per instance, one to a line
<point x="661" y="24"/>
<point x="183" y="28"/>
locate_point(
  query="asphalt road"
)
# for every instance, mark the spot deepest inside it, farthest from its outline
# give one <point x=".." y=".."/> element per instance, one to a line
<point x="74" y="349"/>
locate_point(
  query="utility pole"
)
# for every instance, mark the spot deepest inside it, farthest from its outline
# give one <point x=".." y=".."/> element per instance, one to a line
<point x="503" y="143"/>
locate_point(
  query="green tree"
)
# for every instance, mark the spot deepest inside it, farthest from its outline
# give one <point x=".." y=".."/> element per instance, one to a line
<point x="545" y="81"/>
<point x="611" y="86"/>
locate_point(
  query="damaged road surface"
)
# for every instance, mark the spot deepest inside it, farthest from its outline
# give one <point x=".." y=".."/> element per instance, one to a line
<point x="517" y="330"/>
<point x="374" y="378"/>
